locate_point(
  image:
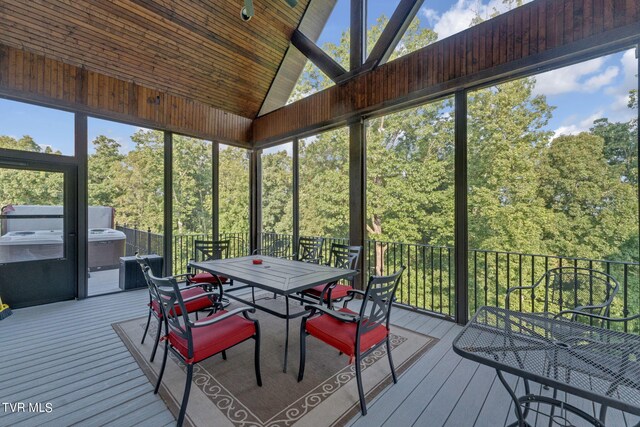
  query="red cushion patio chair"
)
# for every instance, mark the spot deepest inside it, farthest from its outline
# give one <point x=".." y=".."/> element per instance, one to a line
<point x="340" y="256"/>
<point x="193" y="342"/>
<point x="207" y="250"/>
<point x="354" y="334"/>
<point x="195" y="297"/>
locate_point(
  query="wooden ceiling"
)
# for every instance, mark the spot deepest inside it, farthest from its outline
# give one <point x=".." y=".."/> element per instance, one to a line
<point x="201" y="50"/>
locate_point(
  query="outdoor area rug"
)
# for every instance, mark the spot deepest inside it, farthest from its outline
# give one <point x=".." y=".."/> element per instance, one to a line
<point x="225" y="393"/>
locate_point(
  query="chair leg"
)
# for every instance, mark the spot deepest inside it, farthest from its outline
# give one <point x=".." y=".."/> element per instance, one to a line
<point x="256" y="356"/>
<point x="185" y="396"/>
<point x="363" y="404"/>
<point x="224" y="355"/>
<point x="393" y="371"/>
<point x="303" y="354"/>
<point x="146" y="328"/>
<point x="164" y="363"/>
<point x="155" y="346"/>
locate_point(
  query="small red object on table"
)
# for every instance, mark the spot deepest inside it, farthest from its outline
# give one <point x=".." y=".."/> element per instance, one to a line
<point x="257" y="261"/>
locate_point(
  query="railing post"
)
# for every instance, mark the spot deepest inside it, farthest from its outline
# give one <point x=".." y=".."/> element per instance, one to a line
<point x="135" y="237"/>
<point x="461" y="213"/>
<point x="148" y="240"/>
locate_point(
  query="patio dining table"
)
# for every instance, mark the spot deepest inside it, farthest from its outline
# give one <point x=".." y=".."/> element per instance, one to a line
<point x="587" y="361"/>
<point x="279" y="276"/>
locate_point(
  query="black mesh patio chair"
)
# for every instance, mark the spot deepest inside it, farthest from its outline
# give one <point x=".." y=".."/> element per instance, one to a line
<point x="567" y="288"/>
<point x="195" y="341"/>
<point x="568" y="292"/>
<point x="195" y="297"/>
<point x="354" y="334"/>
<point x="340" y="256"/>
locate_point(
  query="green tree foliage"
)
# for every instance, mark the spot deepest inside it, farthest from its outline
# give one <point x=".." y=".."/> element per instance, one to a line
<point x="234" y="190"/>
<point x="593" y="211"/>
<point x="324" y="185"/>
<point x="25" y="187"/>
<point x="277" y="192"/>
<point x="192" y="185"/>
<point x="506" y="142"/>
<point x="106" y="168"/>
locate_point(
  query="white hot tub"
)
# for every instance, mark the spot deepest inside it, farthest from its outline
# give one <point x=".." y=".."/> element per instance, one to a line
<point x="32" y="245"/>
<point x="106" y="246"/>
<point x="28" y="239"/>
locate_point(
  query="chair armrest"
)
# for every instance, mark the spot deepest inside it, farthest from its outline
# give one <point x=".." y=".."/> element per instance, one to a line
<point x="197" y="285"/>
<point x="327" y="288"/>
<point x="344" y="317"/>
<point x="195" y="297"/>
<point x="313" y="260"/>
<point x="239" y="310"/>
<point x="356" y="291"/>
<point x="597" y="316"/>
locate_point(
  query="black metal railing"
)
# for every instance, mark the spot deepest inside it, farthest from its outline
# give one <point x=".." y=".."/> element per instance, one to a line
<point x="141" y="241"/>
<point x="492" y="273"/>
<point x="146" y="242"/>
<point x="428" y="284"/>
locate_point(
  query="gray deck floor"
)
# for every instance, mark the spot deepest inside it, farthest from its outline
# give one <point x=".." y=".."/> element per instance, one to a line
<point x="67" y="354"/>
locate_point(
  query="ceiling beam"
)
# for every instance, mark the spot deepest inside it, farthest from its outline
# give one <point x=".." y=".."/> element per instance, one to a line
<point x="393" y="32"/>
<point x="485" y="54"/>
<point x="318" y="56"/>
<point x="292" y="65"/>
<point x="358" y="34"/>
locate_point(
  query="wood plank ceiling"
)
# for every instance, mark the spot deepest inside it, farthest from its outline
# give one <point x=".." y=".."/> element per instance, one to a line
<point x="201" y="50"/>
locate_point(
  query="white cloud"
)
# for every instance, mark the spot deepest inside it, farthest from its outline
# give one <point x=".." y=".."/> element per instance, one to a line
<point x="580" y="77"/>
<point x="575" y="128"/>
<point x="604" y="79"/>
<point x="460" y="16"/>
<point x="431" y="15"/>
<point x="620" y="92"/>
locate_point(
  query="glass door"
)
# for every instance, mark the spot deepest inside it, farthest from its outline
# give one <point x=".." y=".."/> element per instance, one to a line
<point x="38" y="235"/>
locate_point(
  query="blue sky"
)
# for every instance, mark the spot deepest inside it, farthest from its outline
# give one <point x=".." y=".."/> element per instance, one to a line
<point x="581" y="93"/>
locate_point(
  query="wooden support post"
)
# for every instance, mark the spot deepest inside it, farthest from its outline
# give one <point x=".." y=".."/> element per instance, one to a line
<point x="461" y="213"/>
<point x="168" y="204"/>
<point x="357" y="196"/>
<point x="357" y="33"/>
<point x="296" y="191"/>
<point x="255" y="199"/>
<point x="357" y="154"/>
<point x="82" y="214"/>
<point x="215" y="193"/>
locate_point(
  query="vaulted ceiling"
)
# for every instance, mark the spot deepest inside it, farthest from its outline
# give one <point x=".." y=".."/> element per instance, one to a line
<point x="198" y="49"/>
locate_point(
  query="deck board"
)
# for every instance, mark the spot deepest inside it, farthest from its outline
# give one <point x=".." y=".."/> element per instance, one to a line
<point x="70" y="355"/>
